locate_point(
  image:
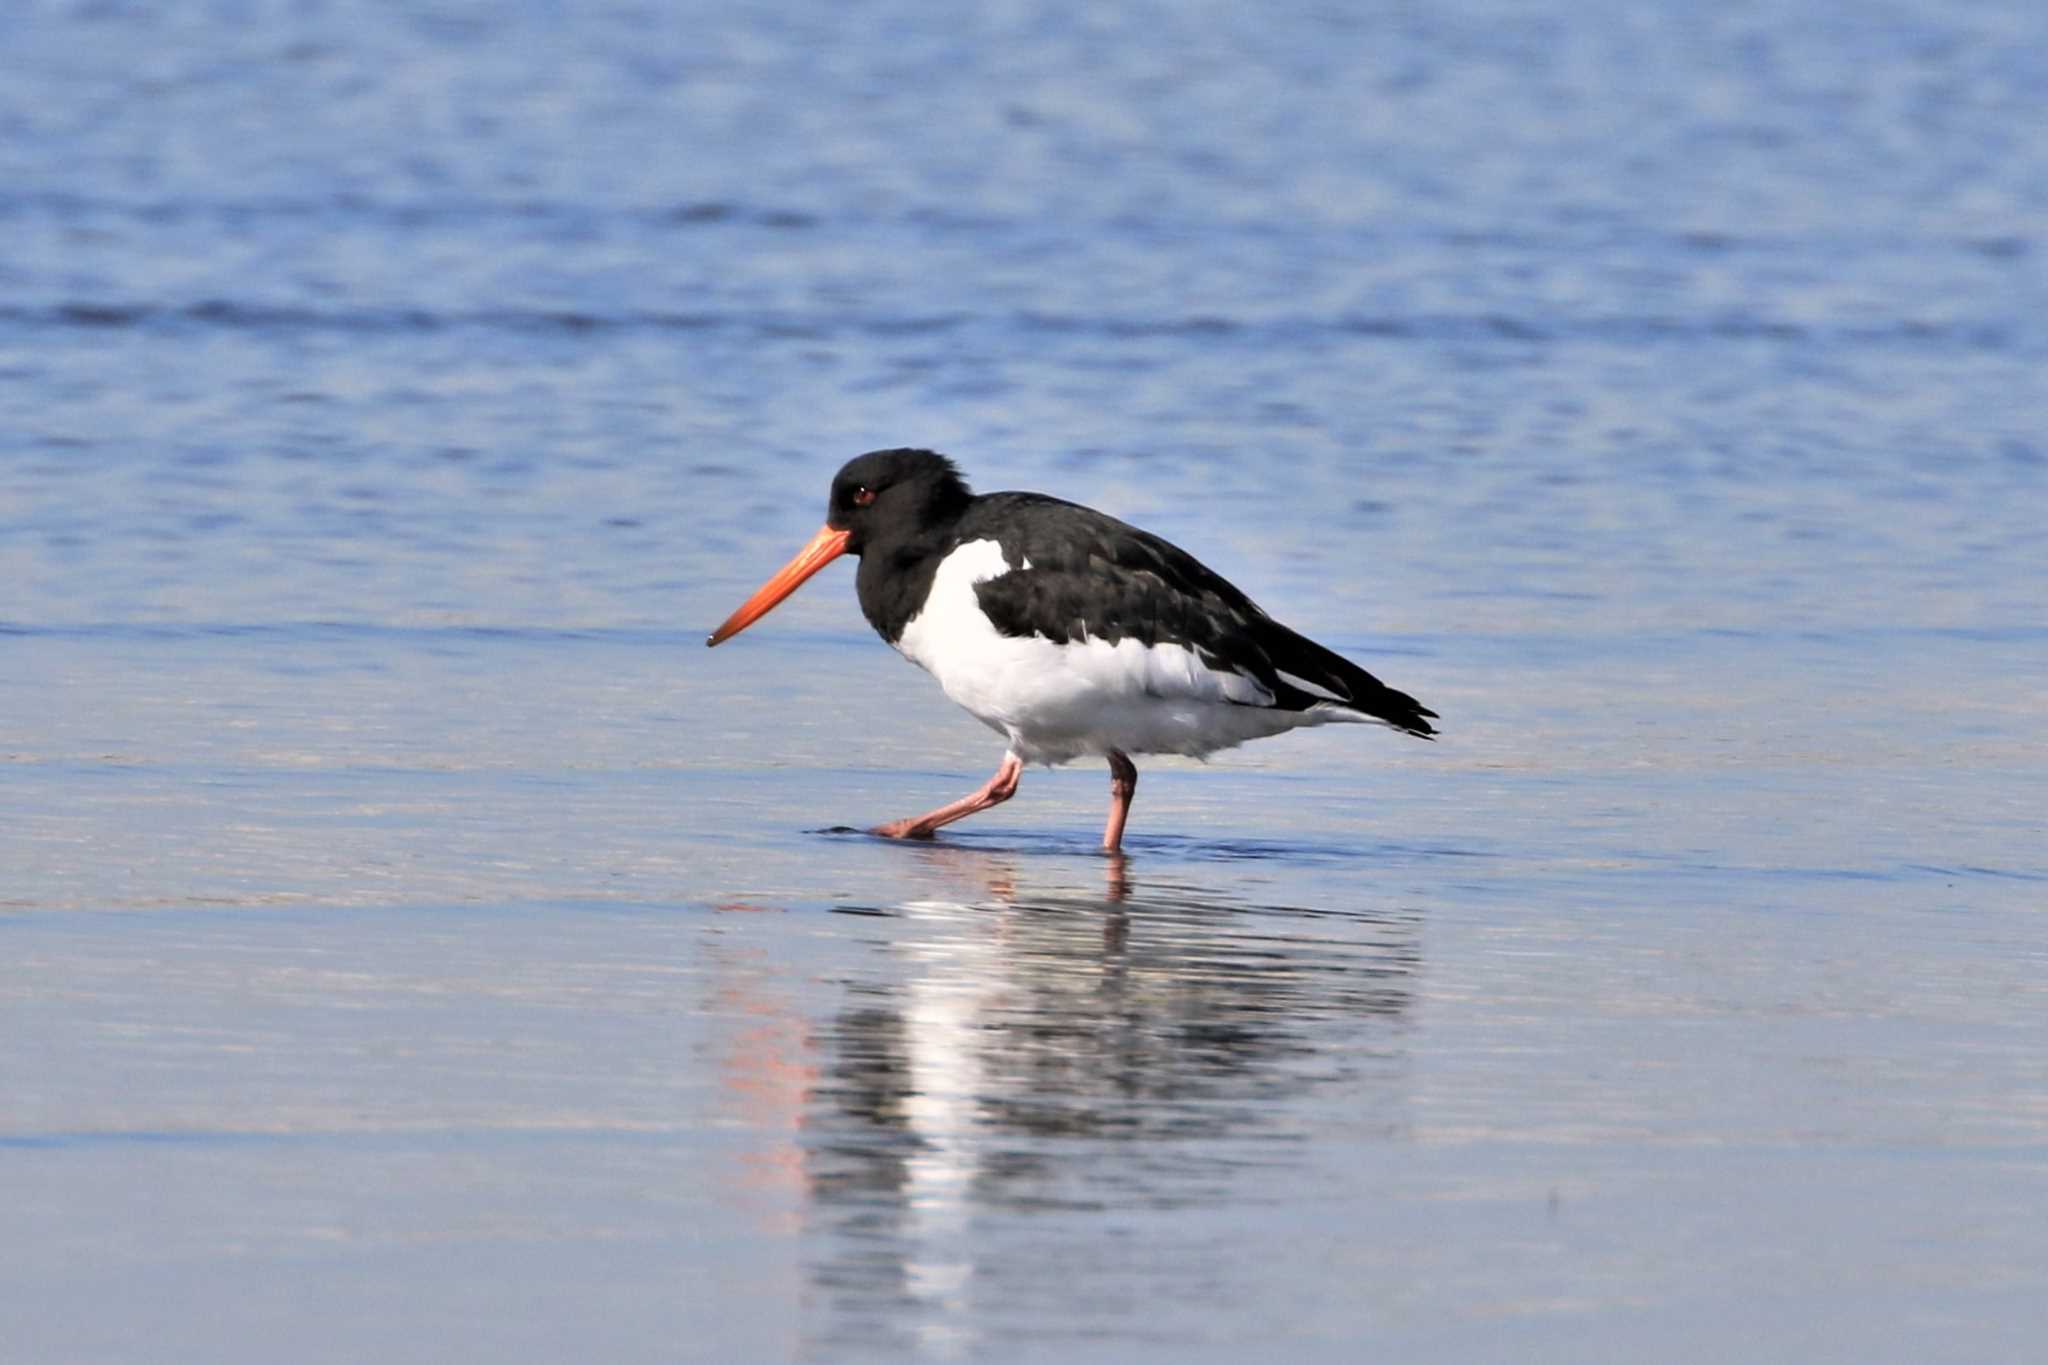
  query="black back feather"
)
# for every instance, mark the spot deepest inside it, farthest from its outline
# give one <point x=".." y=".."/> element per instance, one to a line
<point x="1094" y="577"/>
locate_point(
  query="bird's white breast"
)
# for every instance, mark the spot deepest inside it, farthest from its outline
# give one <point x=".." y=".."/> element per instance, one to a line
<point x="1059" y="701"/>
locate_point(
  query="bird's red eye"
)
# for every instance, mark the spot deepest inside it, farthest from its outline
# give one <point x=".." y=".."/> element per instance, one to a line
<point x="862" y="497"/>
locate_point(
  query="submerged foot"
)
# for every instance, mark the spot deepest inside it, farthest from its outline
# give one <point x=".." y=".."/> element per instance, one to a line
<point x="905" y="829"/>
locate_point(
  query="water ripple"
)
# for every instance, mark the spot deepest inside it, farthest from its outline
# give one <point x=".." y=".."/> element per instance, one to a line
<point x="1947" y="335"/>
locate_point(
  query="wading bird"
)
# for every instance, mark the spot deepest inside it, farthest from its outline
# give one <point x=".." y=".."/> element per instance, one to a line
<point x="1067" y="631"/>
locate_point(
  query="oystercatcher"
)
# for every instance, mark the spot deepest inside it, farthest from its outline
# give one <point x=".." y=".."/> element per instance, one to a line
<point x="1067" y="631"/>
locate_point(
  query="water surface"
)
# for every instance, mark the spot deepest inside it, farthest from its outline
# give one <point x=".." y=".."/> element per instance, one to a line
<point x="421" y="946"/>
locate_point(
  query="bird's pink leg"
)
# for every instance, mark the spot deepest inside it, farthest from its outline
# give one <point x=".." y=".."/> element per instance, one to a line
<point x="994" y="792"/>
<point x="1123" y="781"/>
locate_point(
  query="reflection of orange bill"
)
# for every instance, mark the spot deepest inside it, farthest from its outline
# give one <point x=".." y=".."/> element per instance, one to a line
<point x="825" y="547"/>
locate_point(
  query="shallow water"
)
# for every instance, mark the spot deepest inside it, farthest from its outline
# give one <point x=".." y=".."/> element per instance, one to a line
<point x="422" y="946"/>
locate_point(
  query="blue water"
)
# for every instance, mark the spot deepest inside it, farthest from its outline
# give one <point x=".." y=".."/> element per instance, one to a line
<point x="422" y="947"/>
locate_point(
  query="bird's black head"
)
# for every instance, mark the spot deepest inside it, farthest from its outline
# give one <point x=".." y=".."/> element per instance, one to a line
<point x="894" y="496"/>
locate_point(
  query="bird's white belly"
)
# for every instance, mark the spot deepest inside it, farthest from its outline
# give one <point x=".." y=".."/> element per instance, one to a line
<point x="1059" y="701"/>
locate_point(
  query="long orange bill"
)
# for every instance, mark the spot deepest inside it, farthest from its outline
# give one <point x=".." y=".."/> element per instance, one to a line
<point x="825" y="547"/>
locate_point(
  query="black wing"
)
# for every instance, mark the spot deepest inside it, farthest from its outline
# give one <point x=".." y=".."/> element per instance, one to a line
<point x="1094" y="577"/>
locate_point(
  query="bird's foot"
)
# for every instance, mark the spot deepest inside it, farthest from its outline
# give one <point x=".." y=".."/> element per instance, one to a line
<point x="905" y="829"/>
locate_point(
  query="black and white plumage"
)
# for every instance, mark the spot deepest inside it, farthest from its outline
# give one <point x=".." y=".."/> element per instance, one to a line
<point x="1067" y="631"/>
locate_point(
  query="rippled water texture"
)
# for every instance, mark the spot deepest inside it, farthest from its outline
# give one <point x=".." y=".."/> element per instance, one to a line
<point x="419" y="947"/>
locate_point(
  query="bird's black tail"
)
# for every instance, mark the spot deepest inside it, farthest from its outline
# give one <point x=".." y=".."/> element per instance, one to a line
<point x="1344" y="682"/>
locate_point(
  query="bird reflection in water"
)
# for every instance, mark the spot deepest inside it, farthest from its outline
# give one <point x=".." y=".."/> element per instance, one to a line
<point x="1039" y="1049"/>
